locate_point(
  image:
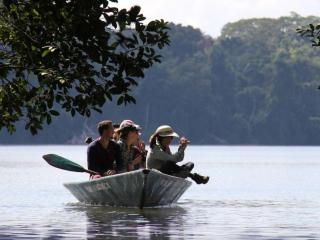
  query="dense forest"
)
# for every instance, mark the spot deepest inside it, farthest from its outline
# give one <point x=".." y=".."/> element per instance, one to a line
<point x="257" y="83"/>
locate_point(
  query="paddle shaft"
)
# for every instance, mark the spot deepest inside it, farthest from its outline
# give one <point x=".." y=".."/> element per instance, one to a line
<point x="91" y="172"/>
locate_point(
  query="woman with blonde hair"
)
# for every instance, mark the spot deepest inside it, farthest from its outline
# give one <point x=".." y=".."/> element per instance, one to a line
<point x="160" y="157"/>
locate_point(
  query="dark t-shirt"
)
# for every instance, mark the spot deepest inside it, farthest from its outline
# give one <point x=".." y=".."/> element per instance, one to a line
<point x="101" y="160"/>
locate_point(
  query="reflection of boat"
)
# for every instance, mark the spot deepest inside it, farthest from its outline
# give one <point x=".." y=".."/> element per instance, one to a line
<point x="105" y="222"/>
<point x="140" y="188"/>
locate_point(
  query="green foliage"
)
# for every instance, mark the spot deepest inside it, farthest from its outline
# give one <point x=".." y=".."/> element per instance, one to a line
<point x="255" y="84"/>
<point x="71" y="55"/>
<point x="312" y="32"/>
<point x="272" y="76"/>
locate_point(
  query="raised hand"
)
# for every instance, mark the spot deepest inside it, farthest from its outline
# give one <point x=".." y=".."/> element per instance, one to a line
<point x="109" y="173"/>
<point x="137" y="160"/>
<point x="184" y="142"/>
<point x="141" y="146"/>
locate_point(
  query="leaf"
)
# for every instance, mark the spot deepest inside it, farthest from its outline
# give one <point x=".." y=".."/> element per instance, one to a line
<point x="33" y="130"/>
<point x="49" y="119"/>
<point x="61" y="49"/>
<point x="88" y="112"/>
<point x="44" y="73"/>
<point x="45" y="53"/>
<point x="97" y="110"/>
<point x="133" y="13"/>
<point x="11" y="129"/>
<point x="311" y="27"/>
<point x="120" y="100"/>
<point x="54" y="112"/>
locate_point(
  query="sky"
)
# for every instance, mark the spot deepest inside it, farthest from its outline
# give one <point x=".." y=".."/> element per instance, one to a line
<point x="211" y="15"/>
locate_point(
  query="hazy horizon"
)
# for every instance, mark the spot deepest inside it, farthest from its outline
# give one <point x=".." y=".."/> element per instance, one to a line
<point x="211" y="15"/>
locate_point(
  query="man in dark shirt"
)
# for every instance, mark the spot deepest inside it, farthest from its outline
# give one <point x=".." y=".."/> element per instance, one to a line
<point x="103" y="154"/>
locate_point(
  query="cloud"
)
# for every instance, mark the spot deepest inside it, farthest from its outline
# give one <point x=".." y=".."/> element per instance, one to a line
<point x="211" y="15"/>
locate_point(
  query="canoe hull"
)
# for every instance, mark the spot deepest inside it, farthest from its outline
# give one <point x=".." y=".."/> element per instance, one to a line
<point x="140" y="188"/>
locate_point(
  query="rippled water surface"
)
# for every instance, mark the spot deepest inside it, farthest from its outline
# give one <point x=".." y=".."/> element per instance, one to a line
<point x="253" y="193"/>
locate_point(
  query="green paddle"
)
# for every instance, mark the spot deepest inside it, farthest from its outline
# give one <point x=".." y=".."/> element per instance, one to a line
<point x="63" y="163"/>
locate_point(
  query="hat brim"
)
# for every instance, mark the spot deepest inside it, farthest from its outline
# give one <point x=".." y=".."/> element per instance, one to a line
<point x="133" y="127"/>
<point x="169" y="135"/>
<point x="137" y="127"/>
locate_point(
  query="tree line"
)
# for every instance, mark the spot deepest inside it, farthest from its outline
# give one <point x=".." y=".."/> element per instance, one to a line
<point x="254" y="84"/>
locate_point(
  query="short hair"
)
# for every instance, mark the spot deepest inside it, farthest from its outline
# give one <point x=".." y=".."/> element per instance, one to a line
<point x="104" y="125"/>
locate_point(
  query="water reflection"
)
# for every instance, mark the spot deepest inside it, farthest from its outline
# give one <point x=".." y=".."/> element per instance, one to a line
<point x="256" y="193"/>
<point x="104" y="222"/>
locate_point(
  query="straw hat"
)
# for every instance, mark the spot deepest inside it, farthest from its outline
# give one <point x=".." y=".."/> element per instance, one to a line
<point x="166" y="131"/>
<point x="128" y="124"/>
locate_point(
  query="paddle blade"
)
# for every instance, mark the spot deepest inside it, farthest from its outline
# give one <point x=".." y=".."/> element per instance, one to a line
<point x="63" y="163"/>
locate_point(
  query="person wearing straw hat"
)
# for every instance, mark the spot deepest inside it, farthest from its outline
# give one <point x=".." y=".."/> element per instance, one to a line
<point x="160" y="157"/>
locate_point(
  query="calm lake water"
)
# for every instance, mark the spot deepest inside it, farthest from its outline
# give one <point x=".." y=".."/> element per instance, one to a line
<point x="253" y="193"/>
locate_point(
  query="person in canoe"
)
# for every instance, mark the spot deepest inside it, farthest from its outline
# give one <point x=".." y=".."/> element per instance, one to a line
<point x="116" y="136"/>
<point x="129" y="135"/>
<point x="141" y="149"/>
<point x="160" y="157"/>
<point x="103" y="154"/>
